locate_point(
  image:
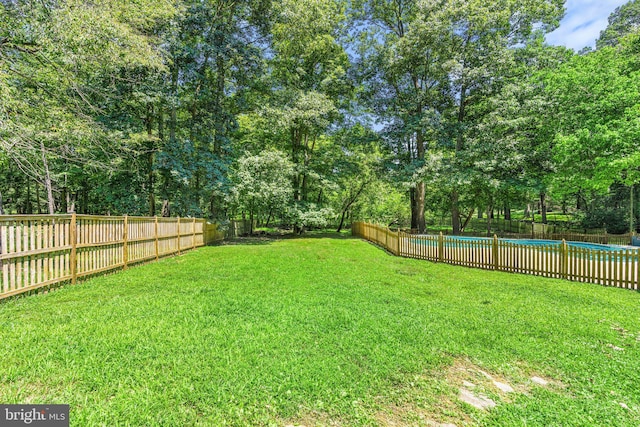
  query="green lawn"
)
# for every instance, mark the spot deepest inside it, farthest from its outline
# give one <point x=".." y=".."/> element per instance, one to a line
<point x="322" y="331"/>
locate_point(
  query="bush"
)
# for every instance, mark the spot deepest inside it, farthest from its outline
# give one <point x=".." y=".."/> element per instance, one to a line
<point x="615" y="221"/>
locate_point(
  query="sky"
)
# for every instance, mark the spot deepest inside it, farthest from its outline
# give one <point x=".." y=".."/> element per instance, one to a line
<point x="582" y="23"/>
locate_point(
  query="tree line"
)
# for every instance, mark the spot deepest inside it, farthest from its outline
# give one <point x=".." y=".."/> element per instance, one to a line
<point x="309" y="112"/>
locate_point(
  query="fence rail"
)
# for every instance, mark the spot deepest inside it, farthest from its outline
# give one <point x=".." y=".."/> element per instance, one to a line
<point x="604" y="238"/>
<point x="39" y="251"/>
<point x="563" y="261"/>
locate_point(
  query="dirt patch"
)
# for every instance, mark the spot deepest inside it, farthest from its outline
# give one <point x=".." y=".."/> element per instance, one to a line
<point x="409" y="414"/>
<point x="465" y="390"/>
<point x="314" y="419"/>
<point x="456" y="396"/>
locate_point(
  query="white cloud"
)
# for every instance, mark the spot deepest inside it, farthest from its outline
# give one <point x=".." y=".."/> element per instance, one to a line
<point x="583" y="22"/>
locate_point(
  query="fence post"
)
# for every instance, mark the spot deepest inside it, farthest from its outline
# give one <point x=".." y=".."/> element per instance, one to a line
<point x="178" y="235"/>
<point x="125" y="246"/>
<point x="564" y="260"/>
<point x="73" y="236"/>
<point x="398" y="243"/>
<point x="440" y="247"/>
<point x="156" y="236"/>
<point x="495" y="253"/>
<point x="386" y="239"/>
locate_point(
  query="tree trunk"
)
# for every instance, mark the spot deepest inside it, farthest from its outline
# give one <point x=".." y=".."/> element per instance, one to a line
<point x="47" y="181"/>
<point x="467" y="219"/>
<point x="251" y="222"/>
<point x="414" y="216"/>
<point x="166" y="211"/>
<point x="173" y="115"/>
<point x="419" y="201"/>
<point x="344" y="213"/>
<point x="543" y="207"/>
<point x="269" y="217"/>
<point x="28" y="206"/>
<point x="38" y="204"/>
<point x="220" y="121"/>
<point x="353" y="197"/>
<point x="150" y="155"/>
<point x="632" y="218"/>
<point x="303" y="188"/>
<point x="420" y="190"/>
<point x="507" y="212"/>
<point x="70" y="202"/>
<point x="84" y="208"/>
<point x="455" y="196"/>
<point x="489" y="219"/>
<point x="455" y="213"/>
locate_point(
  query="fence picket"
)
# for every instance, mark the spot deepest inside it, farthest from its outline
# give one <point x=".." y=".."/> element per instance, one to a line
<point x="563" y="261"/>
<point x="37" y="251"/>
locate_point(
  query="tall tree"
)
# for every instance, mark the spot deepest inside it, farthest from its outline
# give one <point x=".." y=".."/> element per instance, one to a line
<point x="597" y="138"/>
<point x="51" y="55"/>
<point x="453" y="55"/>
<point x="309" y="84"/>
<point x="623" y="20"/>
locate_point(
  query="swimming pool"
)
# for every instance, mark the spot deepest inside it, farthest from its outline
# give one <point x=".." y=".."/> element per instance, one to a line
<point x="546" y="243"/>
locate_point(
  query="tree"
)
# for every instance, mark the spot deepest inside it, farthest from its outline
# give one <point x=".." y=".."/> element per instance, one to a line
<point x="403" y="84"/>
<point x="517" y="135"/>
<point x="51" y="55"/>
<point x="597" y="135"/>
<point x="308" y="87"/>
<point x="444" y="59"/>
<point x="262" y="184"/>
<point x="624" y="20"/>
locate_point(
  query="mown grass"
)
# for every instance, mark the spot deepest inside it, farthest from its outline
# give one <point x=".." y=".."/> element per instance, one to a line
<point x="321" y="331"/>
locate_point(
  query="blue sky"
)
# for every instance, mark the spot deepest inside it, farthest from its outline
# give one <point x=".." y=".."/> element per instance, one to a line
<point x="582" y="23"/>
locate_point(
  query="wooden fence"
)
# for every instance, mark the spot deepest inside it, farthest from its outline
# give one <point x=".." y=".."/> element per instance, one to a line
<point x="558" y="260"/>
<point x="604" y="239"/>
<point x="39" y="251"/>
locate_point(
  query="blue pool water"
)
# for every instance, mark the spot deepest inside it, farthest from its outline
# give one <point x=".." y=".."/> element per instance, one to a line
<point x="533" y="242"/>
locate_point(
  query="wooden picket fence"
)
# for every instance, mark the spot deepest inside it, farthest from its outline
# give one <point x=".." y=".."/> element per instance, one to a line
<point x="563" y="261"/>
<point x="39" y="251"/>
<point x="603" y="239"/>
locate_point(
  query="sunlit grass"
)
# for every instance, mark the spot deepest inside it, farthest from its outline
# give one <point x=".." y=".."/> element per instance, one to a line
<point x="320" y="331"/>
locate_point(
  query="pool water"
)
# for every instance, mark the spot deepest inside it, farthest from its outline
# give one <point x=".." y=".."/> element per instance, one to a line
<point x="533" y="242"/>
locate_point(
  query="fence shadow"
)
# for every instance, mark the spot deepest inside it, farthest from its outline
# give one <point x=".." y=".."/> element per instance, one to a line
<point x="267" y="239"/>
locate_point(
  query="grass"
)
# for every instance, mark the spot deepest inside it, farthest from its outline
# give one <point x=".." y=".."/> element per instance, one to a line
<point x="322" y="331"/>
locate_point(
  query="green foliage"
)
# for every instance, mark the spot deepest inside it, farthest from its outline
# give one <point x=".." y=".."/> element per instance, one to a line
<point x="596" y="135"/>
<point x="434" y="70"/>
<point x="384" y="204"/>
<point x="623" y="21"/>
<point x="129" y="106"/>
<point x="262" y="184"/>
<point x="305" y="216"/>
